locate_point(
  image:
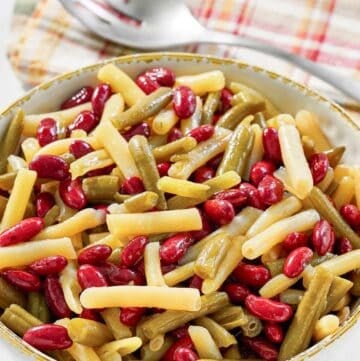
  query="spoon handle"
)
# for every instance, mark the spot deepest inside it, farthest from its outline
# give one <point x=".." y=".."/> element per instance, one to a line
<point x="348" y="86"/>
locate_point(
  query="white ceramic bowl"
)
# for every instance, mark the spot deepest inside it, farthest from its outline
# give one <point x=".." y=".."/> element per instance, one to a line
<point x="287" y="95"/>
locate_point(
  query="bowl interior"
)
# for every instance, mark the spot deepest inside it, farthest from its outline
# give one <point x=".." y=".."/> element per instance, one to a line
<point x="287" y="96"/>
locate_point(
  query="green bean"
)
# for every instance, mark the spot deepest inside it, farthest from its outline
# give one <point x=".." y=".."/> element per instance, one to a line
<point x="221" y="336"/>
<point x="182" y="145"/>
<point x="9" y="295"/>
<point x="292" y="296"/>
<point x="259" y="118"/>
<point x="252" y="327"/>
<point x="194" y="120"/>
<point x="233" y="353"/>
<point x="240" y="98"/>
<point x="230" y="317"/>
<point x="338" y="289"/>
<point x="237" y="113"/>
<point x="355" y="278"/>
<point x="144" y="108"/>
<point x="120" y="198"/>
<point x="332" y="188"/>
<point x="37" y="306"/>
<point x="30" y="210"/>
<point x="148" y="355"/>
<point x="334" y="155"/>
<point x="68" y="158"/>
<point x="308" y="312"/>
<point x="7" y="181"/>
<point x="170" y="320"/>
<point x="10" y="141"/>
<point x="159" y="237"/>
<point x="3" y="203"/>
<point x="52" y="215"/>
<point x="111" y="317"/>
<point x="145" y="161"/>
<point x="141" y="202"/>
<point x="88" y="332"/>
<point x="216" y="184"/>
<point x="18" y="319"/>
<point x="211" y="255"/>
<point x="157" y="140"/>
<point x="100" y="188"/>
<point x="115" y="256"/>
<point x="210" y="106"/>
<point x="237" y="152"/>
<point x="324" y="206"/>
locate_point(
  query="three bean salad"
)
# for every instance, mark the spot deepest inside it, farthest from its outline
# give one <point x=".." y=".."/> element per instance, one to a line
<point x="175" y="218"/>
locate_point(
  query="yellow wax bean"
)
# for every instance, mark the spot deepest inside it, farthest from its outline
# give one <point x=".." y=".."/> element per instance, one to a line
<point x="25" y="253"/>
<point x="265" y="240"/>
<point x="111" y="317"/>
<point x="121" y="83"/>
<point x="30" y="146"/>
<point x="85" y="219"/>
<point x="257" y="151"/>
<point x="344" y="192"/>
<point x="179" y="274"/>
<point x="204" y="343"/>
<point x="164" y="121"/>
<point x="152" y="265"/>
<point x="344" y="263"/>
<point x="113" y="108"/>
<point x="204" y="82"/>
<point x="182" y="187"/>
<point x="155" y="222"/>
<point x="19" y="198"/>
<point x="172" y="298"/>
<point x="123" y="347"/>
<point x="276" y="285"/>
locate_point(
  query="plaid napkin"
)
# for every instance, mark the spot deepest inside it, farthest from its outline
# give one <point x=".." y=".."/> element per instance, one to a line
<point x="46" y="40"/>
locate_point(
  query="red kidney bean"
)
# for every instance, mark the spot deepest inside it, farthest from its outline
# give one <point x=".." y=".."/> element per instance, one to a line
<point x="202" y="133"/>
<point x="351" y="214"/>
<point x="101" y="171"/>
<point x="271" y="145"/>
<point x="185" y="354"/>
<point x="86" y="121"/>
<point x="54" y="297"/>
<point x="174" y="134"/>
<point x="273" y="332"/>
<point x="132" y="185"/>
<point x="203" y="174"/>
<point x="271" y="190"/>
<point x="251" y="275"/>
<point x="343" y="246"/>
<point x="79" y="148"/>
<point x="181" y="331"/>
<point x="72" y="194"/>
<point x="205" y="230"/>
<point x="99" y="97"/>
<point x="130" y="316"/>
<point x="181" y="342"/>
<point x="50" y="166"/>
<point x="44" y="201"/>
<point x="134" y="250"/>
<point x="296" y="261"/>
<point x="21" y="232"/>
<point x="225" y="100"/>
<point x="48" y="337"/>
<point x="215" y="119"/>
<point x="295" y="240"/>
<point x="46" y="131"/>
<point x="101" y="207"/>
<point x="237" y="292"/>
<point x="90" y="314"/>
<point x="196" y="282"/>
<point x="139" y="279"/>
<point x="184" y="102"/>
<point x="23" y="280"/>
<point x="259" y="170"/>
<point x="252" y="194"/>
<point x="163" y="76"/>
<point x="95" y="254"/>
<point x="82" y="96"/>
<point x="116" y="275"/>
<point x="166" y="268"/>
<point x="139" y="129"/>
<point x="268" y="310"/>
<point x="235" y="196"/>
<point x="146" y="84"/>
<point x="215" y="162"/>
<point x="163" y="168"/>
<point x="262" y="347"/>
<point x="220" y="211"/>
<point x="319" y="165"/>
<point x="174" y="248"/>
<point x="49" y="265"/>
<point x="90" y="276"/>
<point x="323" y="237"/>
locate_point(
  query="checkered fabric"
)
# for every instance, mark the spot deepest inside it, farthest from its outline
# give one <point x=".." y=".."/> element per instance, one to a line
<point x="46" y="40"/>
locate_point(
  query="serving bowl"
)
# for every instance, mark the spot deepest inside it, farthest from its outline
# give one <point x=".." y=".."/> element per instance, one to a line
<point x="287" y="95"/>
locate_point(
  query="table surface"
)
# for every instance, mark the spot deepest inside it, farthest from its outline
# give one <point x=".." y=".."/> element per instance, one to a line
<point x="341" y="350"/>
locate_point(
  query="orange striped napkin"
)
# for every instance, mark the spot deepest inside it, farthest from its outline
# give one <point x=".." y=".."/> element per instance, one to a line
<point x="46" y="40"/>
